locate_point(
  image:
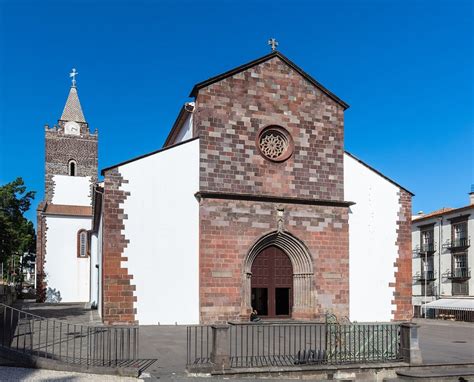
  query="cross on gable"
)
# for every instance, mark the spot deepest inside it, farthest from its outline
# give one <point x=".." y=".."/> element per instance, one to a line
<point x="273" y="43"/>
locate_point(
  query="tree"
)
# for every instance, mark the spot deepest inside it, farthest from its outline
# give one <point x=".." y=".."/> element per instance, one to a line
<point x="17" y="234"/>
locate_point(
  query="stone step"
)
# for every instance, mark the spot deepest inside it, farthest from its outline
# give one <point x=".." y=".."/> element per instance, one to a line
<point x="434" y="374"/>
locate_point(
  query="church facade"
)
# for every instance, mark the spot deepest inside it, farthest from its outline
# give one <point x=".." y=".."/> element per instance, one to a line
<point x="252" y="204"/>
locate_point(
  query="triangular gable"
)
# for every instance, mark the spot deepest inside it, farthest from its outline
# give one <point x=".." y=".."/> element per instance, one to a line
<point x="260" y="60"/>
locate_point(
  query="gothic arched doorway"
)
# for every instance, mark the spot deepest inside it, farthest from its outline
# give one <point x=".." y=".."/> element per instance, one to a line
<point x="302" y="295"/>
<point x="272" y="283"/>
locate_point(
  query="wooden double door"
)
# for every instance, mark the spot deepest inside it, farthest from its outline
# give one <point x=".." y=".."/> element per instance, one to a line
<point x="272" y="284"/>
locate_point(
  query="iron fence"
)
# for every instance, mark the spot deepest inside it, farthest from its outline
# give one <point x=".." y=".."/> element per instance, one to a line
<point x="253" y="345"/>
<point x="29" y="334"/>
<point x="262" y="344"/>
<point x="198" y="345"/>
<point x="276" y="344"/>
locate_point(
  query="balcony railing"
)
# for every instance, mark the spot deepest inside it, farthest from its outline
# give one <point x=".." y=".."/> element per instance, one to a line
<point x="430" y="291"/>
<point x="425" y="248"/>
<point x="422" y="276"/>
<point x="461" y="243"/>
<point x="459" y="274"/>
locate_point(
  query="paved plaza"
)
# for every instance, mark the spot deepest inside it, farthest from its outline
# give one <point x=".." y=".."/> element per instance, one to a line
<point x="441" y="342"/>
<point x="446" y="341"/>
<point x="16" y="374"/>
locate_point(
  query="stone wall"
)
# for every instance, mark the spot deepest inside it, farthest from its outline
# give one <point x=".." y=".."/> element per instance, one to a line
<point x="403" y="265"/>
<point x="228" y="117"/>
<point x="60" y="148"/>
<point x="41" y="229"/>
<point x="230" y="113"/>
<point x="118" y="290"/>
<point x="228" y="229"/>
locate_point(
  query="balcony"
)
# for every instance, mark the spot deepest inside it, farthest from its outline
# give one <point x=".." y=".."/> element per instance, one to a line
<point x="458" y="244"/>
<point x="430" y="290"/>
<point x="459" y="274"/>
<point x="422" y="276"/>
<point x="425" y="248"/>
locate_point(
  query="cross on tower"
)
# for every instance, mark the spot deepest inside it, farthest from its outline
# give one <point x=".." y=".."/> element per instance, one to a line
<point x="73" y="74"/>
<point x="273" y="43"/>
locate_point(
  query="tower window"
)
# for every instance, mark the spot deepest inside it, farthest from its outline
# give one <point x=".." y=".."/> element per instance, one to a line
<point x="82" y="243"/>
<point x="72" y="168"/>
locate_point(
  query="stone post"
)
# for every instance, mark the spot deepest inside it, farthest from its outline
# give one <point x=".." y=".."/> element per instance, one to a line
<point x="220" y="356"/>
<point x="409" y="345"/>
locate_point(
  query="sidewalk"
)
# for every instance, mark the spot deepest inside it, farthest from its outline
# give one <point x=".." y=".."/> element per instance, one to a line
<point x="16" y="374"/>
<point x="446" y="341"/>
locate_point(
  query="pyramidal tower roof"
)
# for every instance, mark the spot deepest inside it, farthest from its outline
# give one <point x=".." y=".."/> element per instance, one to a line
<point x="73" y="110"/>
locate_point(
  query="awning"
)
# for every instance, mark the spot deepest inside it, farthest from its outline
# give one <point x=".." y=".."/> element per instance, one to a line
<point x="451" y="304"/>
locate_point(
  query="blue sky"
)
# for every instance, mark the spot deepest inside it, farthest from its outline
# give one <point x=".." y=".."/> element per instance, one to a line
<point x="405" y="67"/>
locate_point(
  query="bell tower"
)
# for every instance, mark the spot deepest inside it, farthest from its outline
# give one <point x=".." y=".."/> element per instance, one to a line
<point x="71" y="151"/>
<point x="65" y="214"/>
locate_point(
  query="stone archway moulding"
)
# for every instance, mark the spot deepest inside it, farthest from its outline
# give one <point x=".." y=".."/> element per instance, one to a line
<point x="303" y="271"/>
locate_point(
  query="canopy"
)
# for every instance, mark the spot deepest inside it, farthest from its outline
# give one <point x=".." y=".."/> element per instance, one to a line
<point x="451" y="304"/>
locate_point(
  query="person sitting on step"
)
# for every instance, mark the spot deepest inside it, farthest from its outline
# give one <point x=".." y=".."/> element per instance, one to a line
<point x="254" y="316"/>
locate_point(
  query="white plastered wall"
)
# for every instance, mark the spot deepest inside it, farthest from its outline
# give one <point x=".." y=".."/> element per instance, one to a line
<point x="72" y="190"/>
<point x="372" y="241"/>
<point x="186" y="131"/>
<point x="96" y="268"/>
<point x="162" y="227"/>
<point x="65" y="272"/>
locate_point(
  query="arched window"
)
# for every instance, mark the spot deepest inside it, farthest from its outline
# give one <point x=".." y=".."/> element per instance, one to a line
<point x="82" y="243"/>
<point x="72" y="167"/>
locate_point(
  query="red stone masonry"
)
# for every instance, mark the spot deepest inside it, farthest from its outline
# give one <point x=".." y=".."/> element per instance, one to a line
<point x="229" y="114"/>
<point x="40" y="253"/>
<point x="227" y="118"/>
<point x="403" y="275"/>
<point x="228" y="230"/>
<point x="118" y="290"/>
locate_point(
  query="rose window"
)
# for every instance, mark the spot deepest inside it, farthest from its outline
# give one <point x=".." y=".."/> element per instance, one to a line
<point x="275" y="143"/>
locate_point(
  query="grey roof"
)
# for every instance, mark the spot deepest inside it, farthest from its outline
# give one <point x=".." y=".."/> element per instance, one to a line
<point x="73" y="110"/>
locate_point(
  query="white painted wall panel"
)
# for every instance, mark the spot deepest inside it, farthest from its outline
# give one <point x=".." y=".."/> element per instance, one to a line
<point x="72" y="190"/>
<point x="186" y="131"/>
<point x="94" y="273"/>
<point x="64" y="270"/>
<point x="372" y="241"/>
<point x="162" y="227"/>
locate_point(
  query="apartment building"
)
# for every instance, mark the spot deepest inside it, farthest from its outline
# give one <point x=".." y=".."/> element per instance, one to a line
<point x="442" y="258"/>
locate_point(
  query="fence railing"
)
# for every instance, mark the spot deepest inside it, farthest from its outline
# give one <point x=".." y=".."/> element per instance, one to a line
<point x="276" y="344"/>
<point x="198" y="345"/>
<point x="29" y="334"/>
